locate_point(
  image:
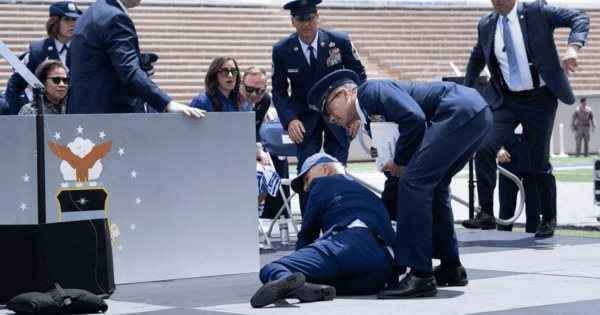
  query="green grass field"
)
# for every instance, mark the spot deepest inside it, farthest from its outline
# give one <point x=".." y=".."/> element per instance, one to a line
<point x="568" y="169"/>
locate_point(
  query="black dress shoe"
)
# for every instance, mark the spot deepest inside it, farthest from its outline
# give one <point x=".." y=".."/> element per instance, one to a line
<point x="482" y="221"/>
<point x="546" y="228"/>
<point x="451" y="277"/>
<point x="311" y="292"/>
<point x="276" y="290"/>
<point x="410" y="287"/>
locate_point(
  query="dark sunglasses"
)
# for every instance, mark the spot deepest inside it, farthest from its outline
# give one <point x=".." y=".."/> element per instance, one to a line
<point x="226" y="71"/>
<point x="251" y="90"/>
<point x="56" y="80"/>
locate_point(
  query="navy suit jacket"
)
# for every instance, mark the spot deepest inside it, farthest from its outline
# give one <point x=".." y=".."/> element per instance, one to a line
<point x="538" y="21"/>
<point x="290" y="63"/>
<point x="105" y="65"/>
<point x="38" y="52"/>
<point x="439" y="108"/>
<point x="336" y="201"/>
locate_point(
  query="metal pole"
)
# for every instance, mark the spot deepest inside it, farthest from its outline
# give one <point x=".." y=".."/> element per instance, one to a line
<point x="471" y="191"/>
<point x="38" y="99"/>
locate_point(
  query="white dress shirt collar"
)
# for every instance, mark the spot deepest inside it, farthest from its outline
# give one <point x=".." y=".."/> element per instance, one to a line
<point x="305" y="50"/>
<point x="123" y="7"/>
<point x="361" y="114"/>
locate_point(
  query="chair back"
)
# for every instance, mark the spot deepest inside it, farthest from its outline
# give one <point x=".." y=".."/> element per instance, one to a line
<point x="272" y="138"/>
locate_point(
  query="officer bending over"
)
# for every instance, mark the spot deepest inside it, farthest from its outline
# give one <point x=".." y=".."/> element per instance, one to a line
<point x="441" y="126"/>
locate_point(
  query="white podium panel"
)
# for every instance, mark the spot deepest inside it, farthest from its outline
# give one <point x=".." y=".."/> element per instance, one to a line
<point x="179" y="193"/>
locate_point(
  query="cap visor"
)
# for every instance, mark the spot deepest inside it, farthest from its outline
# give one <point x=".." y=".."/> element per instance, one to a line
<point x="298" y="184"/>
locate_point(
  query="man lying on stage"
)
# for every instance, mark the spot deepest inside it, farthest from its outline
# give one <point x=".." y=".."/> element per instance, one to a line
<point x="353" y="256"/>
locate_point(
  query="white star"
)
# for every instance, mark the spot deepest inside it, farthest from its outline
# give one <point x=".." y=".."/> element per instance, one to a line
<point x="57" y="135"/>
<point x="26" y="178"/>
<point x="120" y="247"/>
<point x="102" y="135"/>
<point x="23" y="206"/>
<point x="82" y="201"/>
<point x="132" y="227"/>
<point x="133" y="174"/>
<point x="79" y="129"/>
<point x="138" y="200"/>
<point x="121" y="151"/>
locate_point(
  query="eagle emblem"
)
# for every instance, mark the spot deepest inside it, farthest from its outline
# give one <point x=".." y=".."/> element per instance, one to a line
<point x="79" y="157"/>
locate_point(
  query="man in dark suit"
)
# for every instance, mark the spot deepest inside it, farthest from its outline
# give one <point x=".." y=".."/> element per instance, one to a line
<point x="353" y="256"/>
<point x="59" y="27"/>
<point x="303" y="58"/>
<point x="441" y="125"/>
<point x="516" y="42"/>
<point x="106" y="75"/>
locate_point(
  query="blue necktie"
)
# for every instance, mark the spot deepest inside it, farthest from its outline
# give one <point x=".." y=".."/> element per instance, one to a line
<point x="513" y="65"/>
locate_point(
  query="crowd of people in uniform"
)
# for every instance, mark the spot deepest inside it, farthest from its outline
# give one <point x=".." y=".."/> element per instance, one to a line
<point x="323" y="98"/>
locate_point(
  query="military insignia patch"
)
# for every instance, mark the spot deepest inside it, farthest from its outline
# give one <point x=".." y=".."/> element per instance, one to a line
<point x="334" y="57"/>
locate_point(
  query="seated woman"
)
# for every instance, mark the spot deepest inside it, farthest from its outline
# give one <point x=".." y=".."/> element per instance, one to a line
<point x="222" y="84"/>
<point x="53" y="75"/>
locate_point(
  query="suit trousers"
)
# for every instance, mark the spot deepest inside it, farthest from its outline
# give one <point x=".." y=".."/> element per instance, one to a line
<point x="352" y="261"/>
<point x="312" y="143"/>
<point x="536" y="114"/>
<point x="508" y="191"/>
<point x="425" y="224"/>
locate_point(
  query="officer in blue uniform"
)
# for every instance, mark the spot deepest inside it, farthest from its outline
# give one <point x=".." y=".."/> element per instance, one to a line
<point x="514" y="157"/>
<point x="303" y="58"/>
<point x="59" y="27"/>
<point x="353" y="256"/>
<point x="441" y="125"/>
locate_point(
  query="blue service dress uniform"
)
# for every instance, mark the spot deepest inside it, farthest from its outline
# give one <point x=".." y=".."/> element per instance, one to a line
<point x="106" y="76"/>
<point x="441" y="126"/>
<point x="335" y="51"/>
<point x="534" y="109"/>
<point x="38" y="52"/>
<point x="353" y="260"/>
<point x="516" y="145"/>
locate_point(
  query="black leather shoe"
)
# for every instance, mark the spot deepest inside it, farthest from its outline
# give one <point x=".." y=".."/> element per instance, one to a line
<point x="451" y="277"/>
<point x="482" y="221"/>
<point x="276" y="290"/>
<point x="410" y="287"/>
<point x="546" y="228"/>
<point x="311" y="292"/>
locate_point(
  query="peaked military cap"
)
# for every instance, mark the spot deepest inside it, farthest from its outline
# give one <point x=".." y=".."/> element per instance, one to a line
<point x="65" y="8"/>
<point x="318" y="93"/>
<point x="302" y="9"/>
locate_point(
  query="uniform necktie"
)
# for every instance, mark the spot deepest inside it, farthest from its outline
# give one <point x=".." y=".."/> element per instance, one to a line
<point x="64" y="48"/>
<point x="313" y="60"/>
<point x="513" y="65"/>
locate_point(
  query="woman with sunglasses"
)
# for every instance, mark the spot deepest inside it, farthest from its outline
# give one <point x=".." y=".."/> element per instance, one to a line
<point x="53" y="74"/>
<point x="222" y="84"/>
<point x="59" y="27"/>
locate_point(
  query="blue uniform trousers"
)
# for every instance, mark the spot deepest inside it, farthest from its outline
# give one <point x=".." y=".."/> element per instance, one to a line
<point x="352" y="261"/>
<point x="312" y="144"/>
<point x="425" y="227"/>
<point x="536" y="114"/>
<point x="508" y="192"/>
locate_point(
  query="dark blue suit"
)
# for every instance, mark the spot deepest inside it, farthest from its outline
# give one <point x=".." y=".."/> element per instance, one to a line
<point x="516" y="145"/>
<point x="290" y="63"/>
<point x="441" y="126"/>
<point x="15" y="88"/>
<point x="535" y="111"/>
<point x="105" y="65"/>
<point x="352" y="260"/>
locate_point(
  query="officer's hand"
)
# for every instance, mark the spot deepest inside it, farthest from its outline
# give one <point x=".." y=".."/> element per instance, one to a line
<point x="503" y="156"/>
<point x="261" y="156"/>
<point x="394" y="169"/>
<point x="296" y="130"/>
<point x="570" y="60"/>
<point x="175" y="107"/>
<point x="354" y="129"/>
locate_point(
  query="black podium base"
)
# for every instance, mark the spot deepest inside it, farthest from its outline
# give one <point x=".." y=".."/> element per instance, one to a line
<point x="74" y="254"/>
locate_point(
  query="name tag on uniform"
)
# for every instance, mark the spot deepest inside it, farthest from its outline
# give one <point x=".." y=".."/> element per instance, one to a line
<point x="293" y="71"/>
<point x="334" y="57"/>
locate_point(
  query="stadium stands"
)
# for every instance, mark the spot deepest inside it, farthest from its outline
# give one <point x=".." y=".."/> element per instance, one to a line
<point x="403" y="43"/>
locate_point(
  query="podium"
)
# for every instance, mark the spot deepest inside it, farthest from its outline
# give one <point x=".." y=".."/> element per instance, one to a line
<point x="74" y="254"/>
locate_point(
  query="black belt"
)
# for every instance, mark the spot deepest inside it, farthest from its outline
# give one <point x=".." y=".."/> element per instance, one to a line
<point x="528" y="93"/>
<point x="380" y="240"/>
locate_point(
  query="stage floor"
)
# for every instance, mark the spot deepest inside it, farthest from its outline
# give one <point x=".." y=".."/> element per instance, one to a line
<point x="509" y="273"/>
